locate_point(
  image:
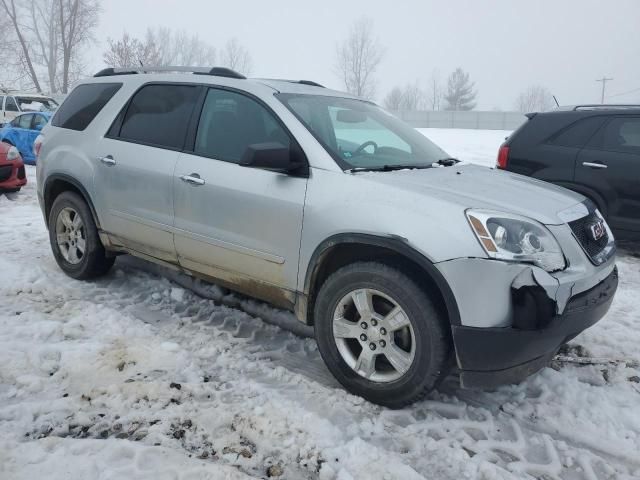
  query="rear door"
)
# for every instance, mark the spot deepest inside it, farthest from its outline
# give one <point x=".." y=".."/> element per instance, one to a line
<point x="234" y="223"/>
<point x="138" y="157"/>
<point x="610" y="165"/>
<point x="22" y="136"/>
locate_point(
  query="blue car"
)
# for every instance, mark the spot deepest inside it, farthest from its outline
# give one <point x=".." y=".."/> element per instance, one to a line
<point x="22" y="132"/>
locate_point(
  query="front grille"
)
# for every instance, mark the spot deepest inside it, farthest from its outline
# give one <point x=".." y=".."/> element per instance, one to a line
<point x="581" y="229"/>
<point x="5" y="172"/>
<point x="21" y="173"/>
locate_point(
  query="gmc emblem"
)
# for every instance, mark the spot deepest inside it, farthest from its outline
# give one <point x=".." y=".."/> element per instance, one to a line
<point x="597" y="230"/>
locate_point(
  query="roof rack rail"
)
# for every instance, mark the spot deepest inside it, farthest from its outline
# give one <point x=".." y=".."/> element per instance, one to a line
<point x="311" y="82"/>
<point x="302" y="82"/>
<point x="596" y="106"/>
<point x="216" y="71"/>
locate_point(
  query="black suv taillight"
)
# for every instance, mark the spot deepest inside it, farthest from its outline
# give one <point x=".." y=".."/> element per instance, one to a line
<point x="503" y="157"/>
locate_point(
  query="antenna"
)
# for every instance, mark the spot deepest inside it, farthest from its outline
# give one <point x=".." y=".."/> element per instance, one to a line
<point x="556" y="100"/>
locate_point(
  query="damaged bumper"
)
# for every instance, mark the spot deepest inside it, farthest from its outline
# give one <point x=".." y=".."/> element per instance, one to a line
<point x="489" y="357"/>
<point x="514" y="317"/>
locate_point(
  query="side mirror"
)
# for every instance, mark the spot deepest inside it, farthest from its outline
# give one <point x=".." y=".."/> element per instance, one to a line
<point x="270" y="156"/>
<point x="38" y="127"/>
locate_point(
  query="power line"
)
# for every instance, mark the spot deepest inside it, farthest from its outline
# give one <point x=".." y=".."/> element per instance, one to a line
<point x="624" y="93"/>
<point x="604" y="81"/>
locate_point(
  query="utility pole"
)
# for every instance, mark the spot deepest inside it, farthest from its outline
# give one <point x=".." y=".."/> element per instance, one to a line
<point x="604" y="81"/>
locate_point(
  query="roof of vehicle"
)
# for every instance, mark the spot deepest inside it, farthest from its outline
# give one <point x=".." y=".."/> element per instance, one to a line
<point x="217" y="76"/>
<point x="11" y="93"/>
<point x="596" y="108"/>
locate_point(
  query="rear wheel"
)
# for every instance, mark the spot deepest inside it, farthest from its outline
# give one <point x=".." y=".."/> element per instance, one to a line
<point x="74" y="238"/>
<point x="381" y="335"/>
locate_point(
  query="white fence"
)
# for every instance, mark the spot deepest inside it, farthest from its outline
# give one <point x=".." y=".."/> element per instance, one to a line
<point x="470" y="119"/>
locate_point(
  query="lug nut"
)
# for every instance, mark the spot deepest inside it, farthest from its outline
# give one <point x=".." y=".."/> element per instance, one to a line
<point x="363" y="337"/>
<point x="374" y="322"/>
<point x="383" y="343"/>
<point x="372" y="346"/>
<point x="364" y="325"/>
<point x="383" y="331"/>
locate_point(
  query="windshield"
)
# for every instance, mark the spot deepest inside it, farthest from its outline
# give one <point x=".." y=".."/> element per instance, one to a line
<point x="359" y="134"/>
<point x="36" y="104"/>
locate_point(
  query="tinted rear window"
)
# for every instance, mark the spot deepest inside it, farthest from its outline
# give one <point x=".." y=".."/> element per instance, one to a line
<point x="83" y="104"/>
<point x="159" y="115"/>
<point x="578" y="133"/>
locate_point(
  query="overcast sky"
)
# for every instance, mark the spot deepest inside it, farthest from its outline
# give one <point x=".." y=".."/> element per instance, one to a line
<point x="505" y="45"/>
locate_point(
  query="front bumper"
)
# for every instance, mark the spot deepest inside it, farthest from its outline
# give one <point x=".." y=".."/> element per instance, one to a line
<point x="12" y="175"/>
<point x="489" y="357"/>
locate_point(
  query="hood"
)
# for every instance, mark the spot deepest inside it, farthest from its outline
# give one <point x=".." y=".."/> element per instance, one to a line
<point x="473" y="186"/>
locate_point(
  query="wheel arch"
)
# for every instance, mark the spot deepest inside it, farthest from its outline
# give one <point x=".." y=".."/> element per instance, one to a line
<point x="59" y="183"/>
<point x="345" y="248"/>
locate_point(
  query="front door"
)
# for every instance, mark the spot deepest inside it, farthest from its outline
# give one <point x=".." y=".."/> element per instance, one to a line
<point x="135" y="166"/>
<point x="610" y="165"/>
<point x="238" y="224"/>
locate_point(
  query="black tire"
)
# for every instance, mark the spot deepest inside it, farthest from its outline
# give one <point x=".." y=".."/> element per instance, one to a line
<point x="94" y="263"/>
<point x="434" y="351"/>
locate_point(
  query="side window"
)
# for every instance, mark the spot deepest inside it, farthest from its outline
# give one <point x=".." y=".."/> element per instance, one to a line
<point x="11" y="105"/>
<point x="578" y="133"/>
<point x="620" y="135"/>
<point x="159" y="115"/>
<point x="24" y="121"/>
<point x="230" y="122"/>
<point x="1" y="102"/>
<point x="83" y="104"/>
<point x="39" y="121"/>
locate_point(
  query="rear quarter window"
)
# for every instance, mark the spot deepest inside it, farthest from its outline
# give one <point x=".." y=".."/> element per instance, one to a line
<point x="578" y="133"/>
<point x="83" y="104"/>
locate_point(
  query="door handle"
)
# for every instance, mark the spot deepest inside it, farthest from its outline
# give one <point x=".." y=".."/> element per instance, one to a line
<point x="594" y="165"/>
<point x="107" y="160"/>
<point x="193" y="179"/>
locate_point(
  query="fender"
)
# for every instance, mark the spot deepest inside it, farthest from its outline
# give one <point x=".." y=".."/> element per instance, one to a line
<point x="398" y="245"/>
<point x="68" y="179"/>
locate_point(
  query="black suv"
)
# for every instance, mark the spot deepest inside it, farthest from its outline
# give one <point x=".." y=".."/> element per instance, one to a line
<point x="591" y="149"/>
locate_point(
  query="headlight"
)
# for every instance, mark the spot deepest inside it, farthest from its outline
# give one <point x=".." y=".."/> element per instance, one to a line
<point x="12" y="153"/>
<point x="517" y="239"/>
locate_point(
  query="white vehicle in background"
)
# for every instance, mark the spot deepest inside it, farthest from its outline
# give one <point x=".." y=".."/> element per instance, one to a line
<point x="14" y="103"/>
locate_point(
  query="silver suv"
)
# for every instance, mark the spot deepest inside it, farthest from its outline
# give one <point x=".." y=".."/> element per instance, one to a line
<point x="406" y="262"/>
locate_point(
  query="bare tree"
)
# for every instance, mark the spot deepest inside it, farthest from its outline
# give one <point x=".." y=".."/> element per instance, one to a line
<point x="413" y="97"/>
<point x="535" y="98"/>
<point x="435" y="92"/>
<point x="236" y="57"/>
<point x="44" y="28"/>
<point x="177" y="47"/>
<point x="129" y="52"/>
<point x="393" y="100"/>
<point x="358" y="58"/>
<point x="407" y="98"/>
<point x="77" y="20"/>
<point x="24" y="54"/>
<point x="50" y="36"/>
<point x="460" y="92"/>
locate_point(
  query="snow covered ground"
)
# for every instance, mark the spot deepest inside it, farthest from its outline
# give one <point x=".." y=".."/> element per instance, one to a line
<point x="136" y="377"/>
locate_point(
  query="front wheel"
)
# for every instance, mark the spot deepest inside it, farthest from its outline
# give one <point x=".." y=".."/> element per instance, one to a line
<point x="381" y="335"/>
<point x="74" y="238"/>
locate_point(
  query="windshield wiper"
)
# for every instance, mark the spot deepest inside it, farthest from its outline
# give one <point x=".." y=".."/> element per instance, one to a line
<point x="389" y="168"/>
<point x="448" y="162"/>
